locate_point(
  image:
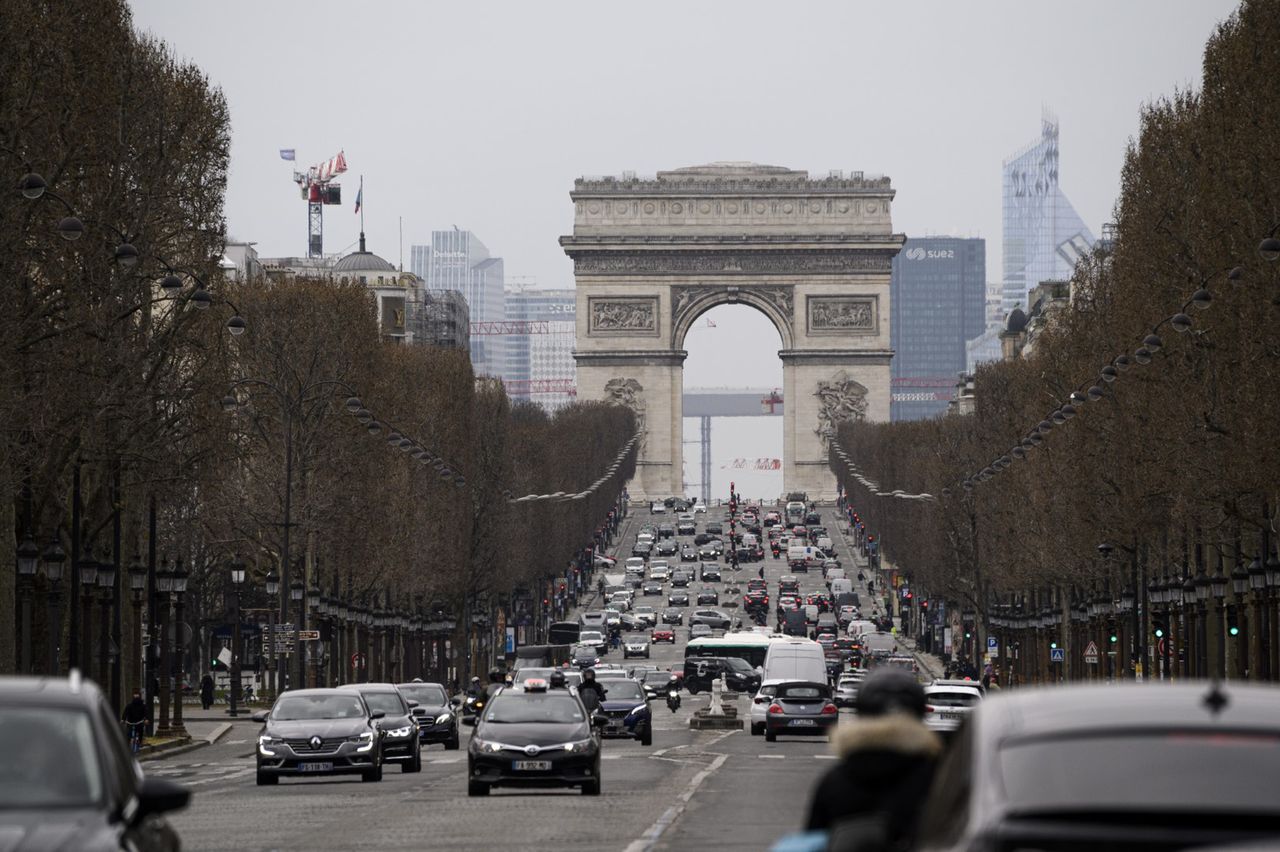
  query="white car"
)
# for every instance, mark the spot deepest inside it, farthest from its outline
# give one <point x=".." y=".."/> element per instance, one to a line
<point x="946" y="706"/>
<point x="658" y="508"/>
<point x="699" y="508"/>
<point x="635" y="646"/>
<point x="620" y="601"/>
<point x="634" y="563"/>
<point x="646" y="614"/>
<point x="660" y="572"/>
<point x="593" y="638"/>
<point x="760" y="705"/>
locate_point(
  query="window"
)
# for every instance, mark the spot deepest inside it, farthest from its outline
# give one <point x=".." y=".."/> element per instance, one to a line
<point x="50" y="758"/>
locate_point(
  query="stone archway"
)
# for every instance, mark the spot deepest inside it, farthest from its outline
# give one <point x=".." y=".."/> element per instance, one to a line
<point x="813" y="255"/>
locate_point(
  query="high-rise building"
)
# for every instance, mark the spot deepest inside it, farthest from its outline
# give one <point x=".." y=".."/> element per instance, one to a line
<point x="1043" y="234"/>
<point x="457" y="260"/>
<point x="540" y="365"/>
<point x="937" y="297"/>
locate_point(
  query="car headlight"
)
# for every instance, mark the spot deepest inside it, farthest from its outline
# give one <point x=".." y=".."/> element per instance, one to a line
<point x="486" y="745"/>
<point x="264" y="741"/>
<point x="365" y="741"/>
<point x="639" y="708"/>
<point x="400" y="732"/>
<point x="579" y="746"/>
<point x="443" y="717"/>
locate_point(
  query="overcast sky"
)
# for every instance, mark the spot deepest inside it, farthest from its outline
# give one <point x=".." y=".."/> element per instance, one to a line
<point x="481" y="114"/>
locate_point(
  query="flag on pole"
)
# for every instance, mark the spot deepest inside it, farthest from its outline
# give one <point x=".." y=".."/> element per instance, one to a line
<point x="360" y="197"/>
<point x="288" y="154"/>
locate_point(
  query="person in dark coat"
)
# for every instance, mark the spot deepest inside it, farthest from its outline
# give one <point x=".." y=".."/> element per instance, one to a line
<point x="206" y="691"/>
<point x="871" y="798"/>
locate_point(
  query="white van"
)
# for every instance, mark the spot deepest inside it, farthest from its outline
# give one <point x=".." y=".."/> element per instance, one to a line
<point x="825" y="544"/>
<point x="841" y="586"/>
<point x="794" y="659"/>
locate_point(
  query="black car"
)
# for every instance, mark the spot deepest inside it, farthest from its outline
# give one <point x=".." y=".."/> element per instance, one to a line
<point x="400" y="739"/>
<point x="715" y="528"/>
<point x="674" y="616"/>
<point x="585" y="656"/>
<point x="667" y="547"/>
<point x="535" y="737"/>
<point x="319" y="732"/>
<point x="708" y="596"/>
<point x="678" y="597"/>
<point x="688" y="553"/>
<point x="642" y="549"/>
<point x="437" y="721"/>
<point x="738" y="674"/>
<point x="68" y="779"/>
<point x="711" y="573"/>
<point x="702" y="538"/>
<point x="666" y="531"/>
<point x="651" y="587"/>
<point x="680" y="579"/>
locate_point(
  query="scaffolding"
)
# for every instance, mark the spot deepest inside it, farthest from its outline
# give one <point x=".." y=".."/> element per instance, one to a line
<point x="439" y="318"/>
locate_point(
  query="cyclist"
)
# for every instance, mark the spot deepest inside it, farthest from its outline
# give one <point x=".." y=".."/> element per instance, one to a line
<point x="135" y="718"/>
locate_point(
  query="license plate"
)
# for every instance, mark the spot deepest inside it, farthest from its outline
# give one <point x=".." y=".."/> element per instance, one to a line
<point x="316" y="767"/>
<point x="801" y="723"/>
<point x="531" y="765"/>
<point x="946" y="715"/>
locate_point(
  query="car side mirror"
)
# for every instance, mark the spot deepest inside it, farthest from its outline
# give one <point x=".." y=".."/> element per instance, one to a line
<point x="157" y="796"/>
<point x="261" y="716"/>
<point x="412" y="703"/>
<point x="378" y="714"/>
<point x="599" y="720"/>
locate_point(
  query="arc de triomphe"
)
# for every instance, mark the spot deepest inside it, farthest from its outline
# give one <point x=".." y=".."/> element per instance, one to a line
<point x="813" y="255"/>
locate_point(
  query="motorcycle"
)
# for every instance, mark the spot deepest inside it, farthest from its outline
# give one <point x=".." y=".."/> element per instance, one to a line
<point x="673" y="700"/>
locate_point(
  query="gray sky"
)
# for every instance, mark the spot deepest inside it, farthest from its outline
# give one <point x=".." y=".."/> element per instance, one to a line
<point x="481" y="114"/>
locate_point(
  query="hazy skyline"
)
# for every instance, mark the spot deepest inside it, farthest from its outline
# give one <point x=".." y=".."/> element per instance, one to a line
<point x="481" y="115"/>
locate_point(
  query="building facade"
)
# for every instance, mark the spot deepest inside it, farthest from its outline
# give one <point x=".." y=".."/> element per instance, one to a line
<point x="938" y="297"/>
<point x="539" y="364"/>
<point x="1043" y="234"/>
<point x="458" y="261"/>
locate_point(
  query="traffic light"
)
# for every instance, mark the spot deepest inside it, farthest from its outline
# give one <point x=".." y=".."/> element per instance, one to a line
<point x="968" y="635"/>
<point x="1053" y="646"/>
<point x="217" y="665"/>
<point x="1233" y="625"/>
<point x="1113" y="638"/>
<point x="1158" y="627"/>
<point x="924" y="605"/>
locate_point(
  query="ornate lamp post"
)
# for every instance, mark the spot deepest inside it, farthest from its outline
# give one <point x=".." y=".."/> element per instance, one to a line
<point x="28" y="562"/>
<point x="314" y="648"/>
<point x="138" y="589"/>
<point x="237" y="580"/>
<point x="88" y="582"/>
<point x="295" y="594"/>
<point x="106" y="597"/>
<point x="54" y="562"/>
<point x="164" y="585"/>
<point x="179" y="648"/>
<point x="273" y="665"/>
<point x="1218" y="586"/>
<point x="1259" y="660"/>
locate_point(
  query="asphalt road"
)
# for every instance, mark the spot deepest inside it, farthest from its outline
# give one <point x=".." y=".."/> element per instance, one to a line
<point x="691" y="790"/>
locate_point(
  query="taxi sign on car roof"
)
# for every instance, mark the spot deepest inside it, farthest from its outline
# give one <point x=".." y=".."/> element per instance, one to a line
<point x="535" y="684"/>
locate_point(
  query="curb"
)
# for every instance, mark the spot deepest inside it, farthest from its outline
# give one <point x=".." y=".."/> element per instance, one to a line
<point x="218" y="733"/>
<point x="171" y="749"/>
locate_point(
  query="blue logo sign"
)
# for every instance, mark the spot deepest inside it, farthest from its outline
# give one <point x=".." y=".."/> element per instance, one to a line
<point x="1057" y="655"/>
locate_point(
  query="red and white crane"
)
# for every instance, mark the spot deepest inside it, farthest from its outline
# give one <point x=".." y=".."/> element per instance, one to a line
<point x="318" y="189"/>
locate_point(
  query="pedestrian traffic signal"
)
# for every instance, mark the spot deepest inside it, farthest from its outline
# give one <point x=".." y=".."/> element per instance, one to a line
<point x="1157" y="627"/>
<point x="1233" y="625"/>
<point x="1113" y="639"/>
<point x="1053" y="646"/>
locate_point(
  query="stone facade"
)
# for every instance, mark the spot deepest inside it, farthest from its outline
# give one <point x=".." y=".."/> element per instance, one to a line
<point x="813" y="255"/>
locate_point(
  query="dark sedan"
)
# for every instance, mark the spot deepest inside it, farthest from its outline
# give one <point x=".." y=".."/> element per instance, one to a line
<point x="626" y="708"/>
<point x="674" y="616"/>
<point x="319" y="732"/>
<point x="708" y="596"/>
<point x="1142" y="767"/>
<point x="534" y="737"/>
<point x="678" y="598"/>
<point x="688" y="553"/>
<point x="68" y="779"/>
<point x="437" y="719"/>
<point x="800" y="707"/>
<point x="651" y="587"/>
<point x="400" y="743"/>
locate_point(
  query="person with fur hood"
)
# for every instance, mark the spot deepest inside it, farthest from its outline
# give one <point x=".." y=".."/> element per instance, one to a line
<point x="871" y="799"/>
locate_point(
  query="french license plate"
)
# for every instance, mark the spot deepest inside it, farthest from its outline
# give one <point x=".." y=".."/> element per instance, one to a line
<point x="801" y="723"/>
<point x="947" y="715"/>
<point x="530" y="765"/>
<point x="316" y="767"/>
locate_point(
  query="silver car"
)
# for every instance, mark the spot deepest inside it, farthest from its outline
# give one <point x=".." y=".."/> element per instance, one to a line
<point x="947" y="706"/>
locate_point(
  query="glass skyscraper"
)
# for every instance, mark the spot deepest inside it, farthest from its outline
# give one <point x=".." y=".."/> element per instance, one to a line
<point x="1043" y="234"/>
<point x="540" y="365"/>
<point x="937" y="298"/>
<point x="457" y="260"/>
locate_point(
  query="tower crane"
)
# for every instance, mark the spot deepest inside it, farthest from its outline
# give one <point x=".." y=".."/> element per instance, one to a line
<point x="318" y="189"/>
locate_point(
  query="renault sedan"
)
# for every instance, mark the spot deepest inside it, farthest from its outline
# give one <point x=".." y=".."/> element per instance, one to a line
<point x="312" y="732"/>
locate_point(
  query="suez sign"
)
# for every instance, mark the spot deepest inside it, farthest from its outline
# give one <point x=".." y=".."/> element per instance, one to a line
<point x="917" y="253"/>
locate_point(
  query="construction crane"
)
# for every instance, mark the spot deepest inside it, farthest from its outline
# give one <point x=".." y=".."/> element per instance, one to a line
<point x="520" y="387"/>
<point x="318" y="189"/>
<point x="770" y="403"/>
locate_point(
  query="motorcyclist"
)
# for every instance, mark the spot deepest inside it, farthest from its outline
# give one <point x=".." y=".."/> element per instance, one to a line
<point x="558" y="680"/>
<point x="476" y="689"/>
<point x="872" y="797"/>
<point x="590" y="690"/>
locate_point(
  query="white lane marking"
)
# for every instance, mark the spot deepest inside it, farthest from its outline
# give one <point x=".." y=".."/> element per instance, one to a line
<point x="445" y="760"/>
<point x="646" y="841"/>
<point x="825" y="757"/>
<point x="772" y="756"/>
<point x="235" y="742"/>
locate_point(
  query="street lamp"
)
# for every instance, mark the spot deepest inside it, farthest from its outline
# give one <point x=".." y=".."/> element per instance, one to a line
<point x="179" y="646"/>
<point x="138" y="588"/>
<point x="237" y="573"/>
<point x="273" y="664"/>
<point x="295" y="594"/>
<point x="28" y="562"/>
<point x="106" y="596"/>
<point x="54" y="559"/>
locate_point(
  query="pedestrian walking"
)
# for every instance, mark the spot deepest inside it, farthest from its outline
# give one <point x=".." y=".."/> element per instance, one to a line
<point x="206" y="691"/>
<point x="871" y="799"/>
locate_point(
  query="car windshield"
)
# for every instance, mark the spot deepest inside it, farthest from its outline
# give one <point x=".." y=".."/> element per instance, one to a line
<point x="738" y="664"/>
<point x="387" y="702"/>
<point x="50" y="759"/>
<point x="293" y="708"/>
<point x="637" y="638"/>
<point x="1159" y="771"/>
<point x="952" y="699"/>
<point x="548" y="708"/>
<point x="427" y="695"/>
<point x="624" y="690"/>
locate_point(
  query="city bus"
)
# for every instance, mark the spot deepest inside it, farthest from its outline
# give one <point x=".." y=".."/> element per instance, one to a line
<point x="563" y="633"/>
<point x="750" y="646"/>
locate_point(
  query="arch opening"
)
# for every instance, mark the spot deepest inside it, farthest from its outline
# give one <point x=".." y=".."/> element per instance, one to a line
<point x="730" y="430"/>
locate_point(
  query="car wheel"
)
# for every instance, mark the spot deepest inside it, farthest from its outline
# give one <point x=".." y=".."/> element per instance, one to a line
<point x="646" y="738"/>
<point x="452" y="743"/>
<point x="591" y="788"/>
<point x="770" y="736"/>
<point x="374" y="774"/>
<point x="477" y="788"/>
<point x="266" y="779"/>
<point x="756" y="729"/>
<point x="414" y="765"/>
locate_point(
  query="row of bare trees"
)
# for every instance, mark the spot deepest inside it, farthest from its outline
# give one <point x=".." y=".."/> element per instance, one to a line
<point x="202" y="406"/>
<point x="1147" y="416"/>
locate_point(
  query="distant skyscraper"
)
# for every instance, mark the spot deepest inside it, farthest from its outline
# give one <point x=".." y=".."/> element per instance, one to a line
<point x="937" y="298"/>
<point x="458" y="261"/>
<point x="540" y="367"/>
<point x="1043" y="234"/>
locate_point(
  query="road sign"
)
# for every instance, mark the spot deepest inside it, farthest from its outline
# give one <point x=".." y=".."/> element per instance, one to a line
<point x="993" y="644"/>
<point x="224" y="657"/>
<point x="1057" y="655"/>
<point x="304" y="635"/>
<point x="1091" y="653"/>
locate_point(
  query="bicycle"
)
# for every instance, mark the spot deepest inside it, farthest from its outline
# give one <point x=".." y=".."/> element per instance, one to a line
<point x="135" y="735"/>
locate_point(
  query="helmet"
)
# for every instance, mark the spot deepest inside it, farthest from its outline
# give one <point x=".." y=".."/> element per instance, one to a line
<point x="475" y="680"/>
<point x="417" y="680"/>
<point x="890" y="690"/>
<point x="589" y="674"/>
<point x="558" y="680"/>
